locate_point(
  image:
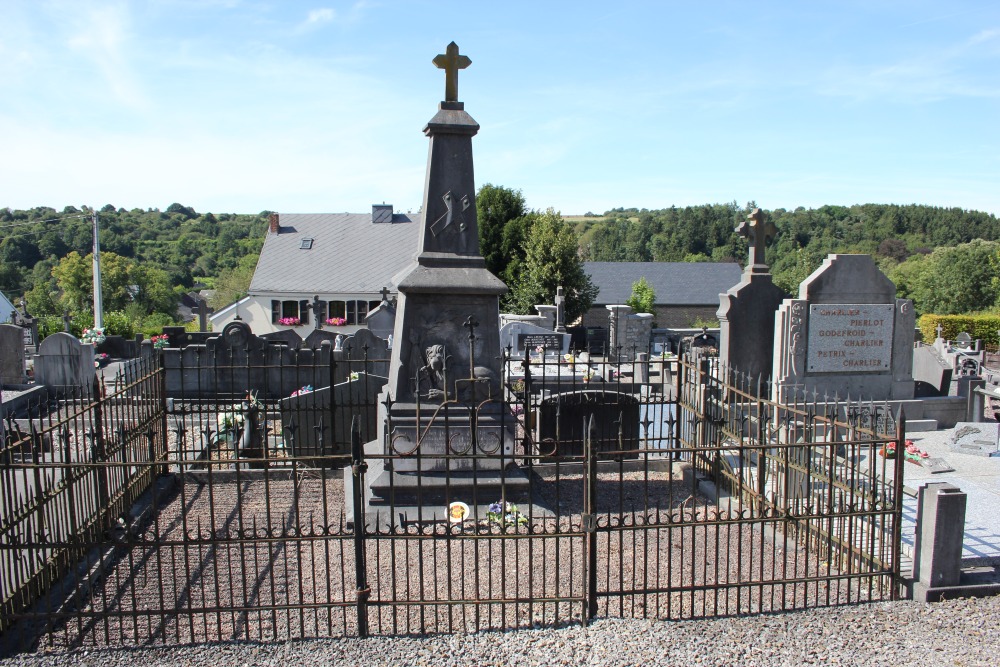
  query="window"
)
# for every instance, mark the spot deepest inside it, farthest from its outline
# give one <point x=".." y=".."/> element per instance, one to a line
<point x="306" y="244"/>
<point x="281" y="310"/>
<point x="353" y="312"/>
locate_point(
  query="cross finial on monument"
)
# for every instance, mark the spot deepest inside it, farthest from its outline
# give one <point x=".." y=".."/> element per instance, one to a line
<point x="450" y="61"/>
<point x="757" y="229"/>
<point x="385" y="295"/>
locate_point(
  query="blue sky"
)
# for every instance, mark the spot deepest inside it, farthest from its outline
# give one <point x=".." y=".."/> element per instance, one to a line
<point x="241" y="106"/>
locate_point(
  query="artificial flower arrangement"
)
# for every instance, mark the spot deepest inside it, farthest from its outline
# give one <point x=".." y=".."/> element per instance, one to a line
<point x="505" y="514"/>
<point x="231" y="420"/>
<point x="160" y="342"/>
<point x="336" y="321"/>
<point x="290" y="321"/>
<point x="100" y="359"/>
<point x="94" y="336"/>
<point x="308" y="389"/>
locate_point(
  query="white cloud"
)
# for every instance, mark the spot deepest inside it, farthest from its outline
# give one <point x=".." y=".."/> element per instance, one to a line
<point x="319" y="16"/>
<point x="102" y="35"/>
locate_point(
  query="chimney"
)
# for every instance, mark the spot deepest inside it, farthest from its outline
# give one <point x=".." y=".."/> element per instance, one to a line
<point x="272" y="222"/>
<point x="381" y="212"/>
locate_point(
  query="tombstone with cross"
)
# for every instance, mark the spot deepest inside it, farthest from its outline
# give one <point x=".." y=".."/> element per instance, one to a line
<point x="746" y="311"/>
<point x="442" y="404"/>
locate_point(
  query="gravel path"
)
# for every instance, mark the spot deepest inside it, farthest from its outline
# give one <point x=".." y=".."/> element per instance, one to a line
<point x="958" y="632"/>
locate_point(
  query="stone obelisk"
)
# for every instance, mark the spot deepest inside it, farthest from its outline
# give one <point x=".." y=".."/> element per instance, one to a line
<point x="443" y="397"/>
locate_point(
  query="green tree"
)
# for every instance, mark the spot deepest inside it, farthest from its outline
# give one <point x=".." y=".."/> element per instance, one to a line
<point x="232" y="284"/>
<point x="552" y="259"/>
<point x="643" y="297"/>
<point x="496" y="207"/>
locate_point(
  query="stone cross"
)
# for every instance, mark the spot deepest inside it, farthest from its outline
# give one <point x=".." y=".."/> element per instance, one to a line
<point x="939" y="329"/>
<point x="385" y="295"/>
<point x="66" y="318"/>
<point x="560" y="310"/>
<point x="758" y="230"/>
<point x="201" y="310"/>
<point x="450" y="61"/>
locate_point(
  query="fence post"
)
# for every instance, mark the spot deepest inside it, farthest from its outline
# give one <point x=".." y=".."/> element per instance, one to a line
<point x="100" y="457"/>
<point x="589" y="518"/>
<point x="358" y="468"/>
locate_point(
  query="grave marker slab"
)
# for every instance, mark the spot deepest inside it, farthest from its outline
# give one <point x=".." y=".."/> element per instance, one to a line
<point x="11" y="355"/>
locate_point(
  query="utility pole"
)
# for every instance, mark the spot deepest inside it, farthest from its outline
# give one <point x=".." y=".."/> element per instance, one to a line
<point x="98" y="303"/>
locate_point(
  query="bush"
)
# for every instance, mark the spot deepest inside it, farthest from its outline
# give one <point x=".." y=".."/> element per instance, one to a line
<point x="643" y="297"/>
<point x="980" y="327"/>
<point x="118" y="323"/>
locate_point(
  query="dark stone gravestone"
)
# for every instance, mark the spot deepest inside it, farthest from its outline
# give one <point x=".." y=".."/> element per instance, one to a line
<point x="382" y="320"/>
<point x="178" y="336"/>
<point x="311" y="428"/>
<point x="364" y="351"/>
<point x="286" y="337"/>
<point x="609" y="418"/>
<point x="11" y="355"/>
<point x="317" y="337"/>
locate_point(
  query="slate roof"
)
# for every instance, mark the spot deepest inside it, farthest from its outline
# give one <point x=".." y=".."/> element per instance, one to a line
<point x="349" y="253"/>
<point x="675" y="283"/>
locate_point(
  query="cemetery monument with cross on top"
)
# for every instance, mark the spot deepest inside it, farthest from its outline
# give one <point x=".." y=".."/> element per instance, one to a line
<point x="446" y="355"/>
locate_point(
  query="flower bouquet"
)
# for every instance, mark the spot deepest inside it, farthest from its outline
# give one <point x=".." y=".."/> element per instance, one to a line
<point x="160" y="342"/>
<point x="94" y="336"/>
<point x="505" y="514"/>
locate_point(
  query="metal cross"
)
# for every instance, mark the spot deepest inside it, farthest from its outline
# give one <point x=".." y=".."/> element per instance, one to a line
<point x="758" y="231"/>
<point x="450" y="61"/>
<point x="385" y="295"/>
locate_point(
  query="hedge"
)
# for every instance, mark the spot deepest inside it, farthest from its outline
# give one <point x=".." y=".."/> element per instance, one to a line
<point x="981" y="327"/>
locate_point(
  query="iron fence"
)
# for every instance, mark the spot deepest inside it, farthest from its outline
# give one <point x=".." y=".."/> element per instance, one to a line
<point x="593" y="500"/>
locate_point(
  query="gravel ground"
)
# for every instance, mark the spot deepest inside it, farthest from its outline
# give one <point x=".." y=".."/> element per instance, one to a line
<point x="957" y="632"/>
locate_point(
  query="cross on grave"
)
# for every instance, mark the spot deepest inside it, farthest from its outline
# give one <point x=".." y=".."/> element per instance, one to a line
<point x="66" y="319"/>
<point x="758" y="231"/>
<point x="450" y="61"/>
<point x="939" y="329"/>
<point x="445" y="220"/>
<point x="560" y="310"/>
<point x="385" y="295"/>
<point x="471" y="324"/>
<point x="201" y="310"/>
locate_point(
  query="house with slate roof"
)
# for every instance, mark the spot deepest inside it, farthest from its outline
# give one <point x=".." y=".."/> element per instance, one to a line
<point x="340" y="261"/>
<point x="6" y="309"/>
<point x="685" y="291"/>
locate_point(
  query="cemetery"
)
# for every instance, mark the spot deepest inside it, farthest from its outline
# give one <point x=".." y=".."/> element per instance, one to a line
<point x="446" y="467"/>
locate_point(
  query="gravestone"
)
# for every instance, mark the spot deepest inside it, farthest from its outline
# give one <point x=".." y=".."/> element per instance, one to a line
<point x="366" y="351"/>
<point x="976" y="439"/>
<point x="382" y="320"/>
<point x="310" y="428"/>
<point x="608" y="418"/>
<point x="846" y="335"/>
<point x="11" y="355"/>
<point x="287" y="337"/>
<point x="746" y="310"/>
<point x="443" y="396"/>
<point x="63" y="362"/>
<point x="523" y="337"/>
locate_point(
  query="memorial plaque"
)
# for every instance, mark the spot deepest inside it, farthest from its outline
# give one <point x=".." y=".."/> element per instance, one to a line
<point x="850" y="338"/>
<point x="552" y="342"/>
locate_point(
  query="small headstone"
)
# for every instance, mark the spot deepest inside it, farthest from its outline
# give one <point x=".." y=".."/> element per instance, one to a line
<point x="936" y="465"/>
<point x="611" y="419"/>
<point x="975" y="439"/>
